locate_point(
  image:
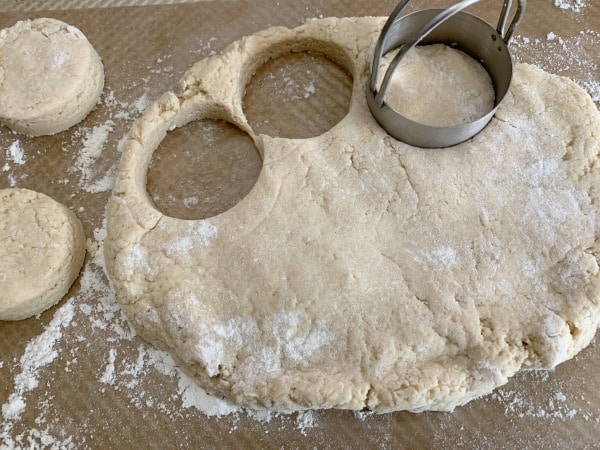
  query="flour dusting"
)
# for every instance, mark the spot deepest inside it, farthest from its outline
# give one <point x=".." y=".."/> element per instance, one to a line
<point x="306" y="420"/>
<point x="93" y="143"/>
<point x="568" y="56"/>
<point x="515" y="403"/>
<point x="108" y="377"/>
<point x="572" y="5"/>
<point x="15" y="153"/>
<point x="39" y="352"/>
<point x="443" y="257"/>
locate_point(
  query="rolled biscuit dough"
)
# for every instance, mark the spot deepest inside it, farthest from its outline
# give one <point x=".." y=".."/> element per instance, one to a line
<point x="361" y="272"/>
<point x="42" y="248"/>
<point x="50" y="76"/>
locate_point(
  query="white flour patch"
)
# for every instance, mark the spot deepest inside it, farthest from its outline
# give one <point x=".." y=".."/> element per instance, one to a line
<point x="60" y="58"/>
<point x="363" y="415"/>
<point x="593" y="88"/>
<point x="190" y="202"/>
<point x="108" y="377"/>
<point x="193" y="396"/>
<point x="130" y="376"/>
<point x="443" y="257"/>
<point x="179" y="246"/>
<point x="103" y="184"/>
<point x="205" y="48"/>
<point x="141" y="103"/>
<point x="309" y="89"/>
<point x="112" y="102"/>
<point x="306" y="420"/>
<point x="93" y="143"/>
<point x="199" y="233"/>
<point x="15" y="153"/>
<point x="570" y="5"/>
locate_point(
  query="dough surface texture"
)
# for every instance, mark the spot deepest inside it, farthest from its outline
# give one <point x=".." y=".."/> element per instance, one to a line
<point x="50" y="76"/>
<point x="361" y="272"/>
<point x="451" y="87"/>
<point x="42" y="248"/>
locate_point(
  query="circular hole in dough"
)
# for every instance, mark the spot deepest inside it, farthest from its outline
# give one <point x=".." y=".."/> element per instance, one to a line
<point x="298" y="95"/>
<point x="42" y="248"/>
<point x="202" y="169"/>
<point x="440" y="86"/>
<point x="50" y="76"/>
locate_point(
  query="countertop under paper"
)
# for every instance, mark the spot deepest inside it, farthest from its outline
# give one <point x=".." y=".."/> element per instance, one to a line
<point x="78" y="377"/>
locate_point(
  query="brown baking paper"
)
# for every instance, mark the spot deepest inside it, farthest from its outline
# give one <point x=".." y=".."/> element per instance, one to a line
<point x="87" y="382"/>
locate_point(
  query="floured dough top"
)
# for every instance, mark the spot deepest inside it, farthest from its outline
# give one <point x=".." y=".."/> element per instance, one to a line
<point x="439" y="86"/>
<point x="361" y="272"/>
<point x="42" y="248"/>
<point x="50" y="76"/>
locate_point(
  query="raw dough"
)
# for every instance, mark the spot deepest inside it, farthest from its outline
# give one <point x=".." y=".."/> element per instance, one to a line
<point x="42" y="248"/>
<point x="361" y="272"/>
<point x="451" y="87"/>
<point x="50" y="76"/>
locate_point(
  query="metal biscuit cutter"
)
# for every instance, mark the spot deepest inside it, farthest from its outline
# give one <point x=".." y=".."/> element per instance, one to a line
<point x="450" y="26"/>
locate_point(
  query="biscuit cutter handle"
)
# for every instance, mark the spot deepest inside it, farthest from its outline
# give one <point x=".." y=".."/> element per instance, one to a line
<point x="423" y="32"/>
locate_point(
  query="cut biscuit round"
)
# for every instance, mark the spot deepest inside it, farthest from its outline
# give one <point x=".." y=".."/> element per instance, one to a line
<point x="42" y="249"/>
<point x="50" y="76"/>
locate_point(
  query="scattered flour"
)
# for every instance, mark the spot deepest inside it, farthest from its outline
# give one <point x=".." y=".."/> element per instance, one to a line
<point x="205" y="48"/>
<point x="16" y="156"/>
<point x="363" y="415"/>
<point x="190" y="202"/>
<point x="12" y="181"/>
<point x="39" y="352"/>
<point x="572" y="5"/>
<point x="516" y="404"/>
<point x="15" y="153"/>
<point x="93" y="143"/>
<point x="306" y="420"/>
<point x="593" y="88"/>
<point x="108" y="377"/>
<point x="309" y="89"/>
<point x="288" y="87"/>
<point x="141" y="103"/>
<point x="567" y="56"/>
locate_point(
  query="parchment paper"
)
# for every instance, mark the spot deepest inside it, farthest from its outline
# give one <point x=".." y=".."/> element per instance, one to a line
<point x="102" y="387"/>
